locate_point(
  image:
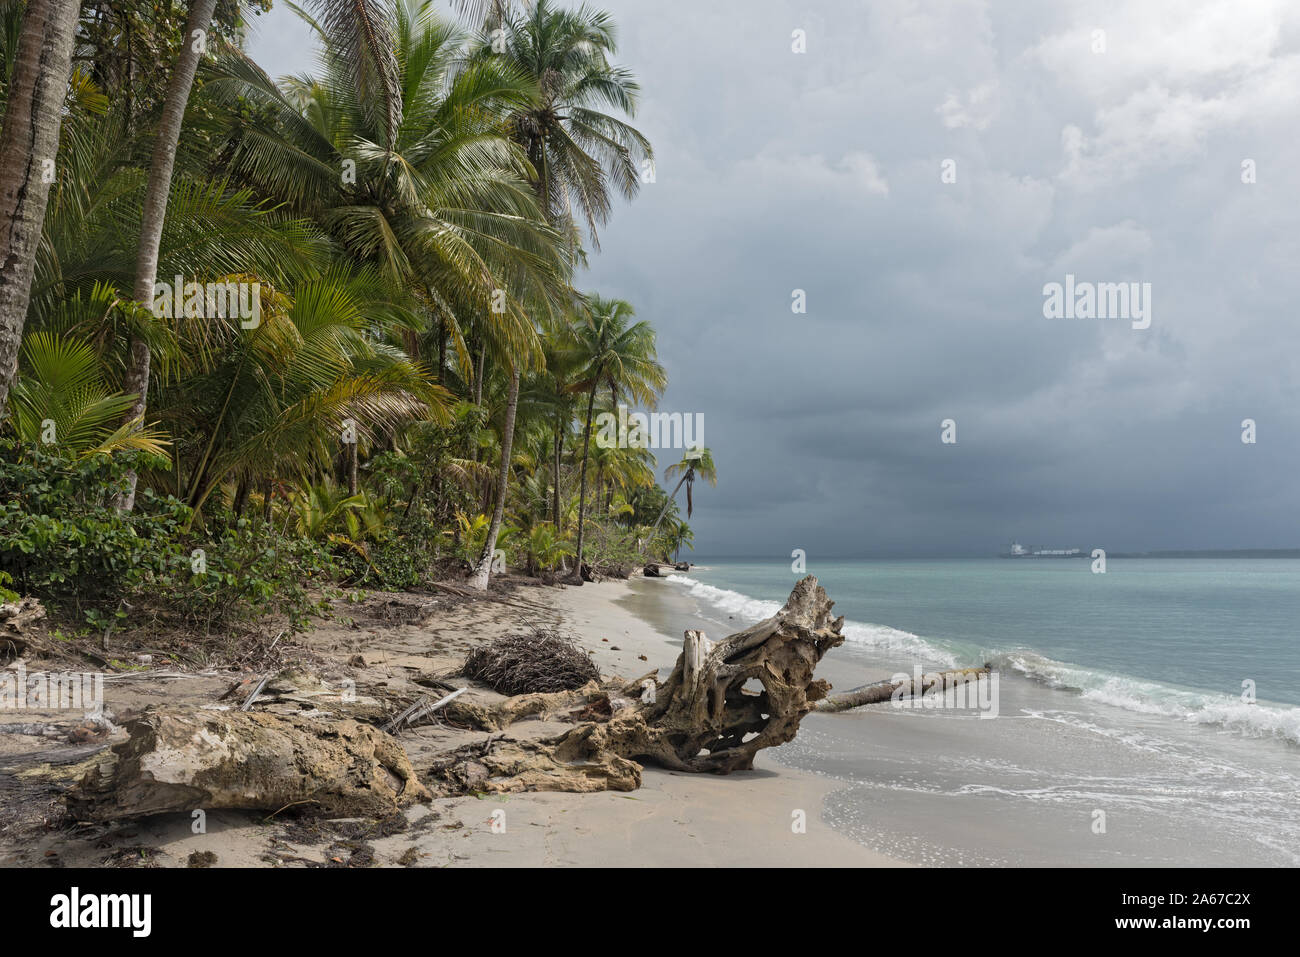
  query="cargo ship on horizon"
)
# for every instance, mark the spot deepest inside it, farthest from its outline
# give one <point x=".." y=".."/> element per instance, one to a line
<point x="1016" y="550"/>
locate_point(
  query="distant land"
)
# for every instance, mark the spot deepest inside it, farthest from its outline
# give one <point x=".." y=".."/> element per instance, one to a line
<point x="1214" y="553"/>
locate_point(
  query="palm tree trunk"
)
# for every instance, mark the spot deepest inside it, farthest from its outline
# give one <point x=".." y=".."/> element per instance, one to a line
<point x="136" y="380"/>
<point x="442" y="348"/>
<point x="582" y="481"/>
<point x="664" y="510"/>
<point x="352" y="467"/>
<point x="483" y="570"/>
<point x="555" y="492"/>
<point x="241" y="496"/>
<point x="478" y="376"/>
<point x="29" y="144"/>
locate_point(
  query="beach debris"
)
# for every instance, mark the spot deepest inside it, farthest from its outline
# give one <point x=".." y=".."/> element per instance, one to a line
<point x="182" y="760"/>
<point x="890" y="689"/>
<point x="496" y="717"/>
<point x="542" y="661"/>
<point x="16" y="625"/>
<point x="420" y="709"/>
<point x="651" y="570"/>
<point x="707" y="716"/>
<point x="583" y="760"/>
<point x="248" y="703"/>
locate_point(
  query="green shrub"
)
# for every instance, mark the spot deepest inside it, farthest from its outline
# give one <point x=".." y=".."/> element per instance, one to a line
<point x="63" y="541"/>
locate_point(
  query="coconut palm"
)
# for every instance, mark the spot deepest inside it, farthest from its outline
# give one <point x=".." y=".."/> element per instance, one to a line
<point x="677" y="535"/>
<point x="398" y="149"/>
<point x="696" y="462"/>
<point x="574" y="148"/>
<point x="581" y="153"/>
<point x="193" y="46"/>
<point x="619" y="354"/>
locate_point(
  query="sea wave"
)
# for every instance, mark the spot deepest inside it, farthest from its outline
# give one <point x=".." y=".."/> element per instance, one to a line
<point x="1143" y="696"/>
<point x="1118" y="691"/>
<point x="877" y="637"/>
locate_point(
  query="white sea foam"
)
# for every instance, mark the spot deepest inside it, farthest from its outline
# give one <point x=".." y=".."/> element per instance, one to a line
<point x="1153" y="698"/>
<point x="878" y="637"/>
<point x="1119" y="691"/>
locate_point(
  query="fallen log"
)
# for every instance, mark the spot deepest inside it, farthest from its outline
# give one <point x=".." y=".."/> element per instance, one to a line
<point x="704" y="717"/>
<point x="890" y="689"/>
<point x="181" y="761"/>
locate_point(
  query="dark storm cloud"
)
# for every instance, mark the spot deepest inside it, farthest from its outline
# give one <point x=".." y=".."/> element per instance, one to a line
<point x="821" y="172"/>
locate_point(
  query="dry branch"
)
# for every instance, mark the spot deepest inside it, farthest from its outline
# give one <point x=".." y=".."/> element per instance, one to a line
<point x="892" y="690"/>
<point x="543" y="661"/>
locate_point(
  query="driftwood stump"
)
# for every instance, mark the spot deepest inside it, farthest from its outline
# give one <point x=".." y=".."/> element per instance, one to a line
<point x="703" y="718"/>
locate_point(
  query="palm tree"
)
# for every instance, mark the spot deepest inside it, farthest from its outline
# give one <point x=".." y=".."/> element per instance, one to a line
<point x="620" y="355"/>
<point x="573" y="148"/>
<point x="29" y="140"/>
<point x="193" y="45"/>
<point x="563" y="363"/>
<point x="679" y="534"/>
<point x="398" y="150"/>
<point x="696" y="462"/>
<point x="578" y="150"/>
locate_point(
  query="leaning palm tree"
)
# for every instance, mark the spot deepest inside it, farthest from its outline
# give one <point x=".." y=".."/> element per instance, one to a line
<point x="619" y="355"/>
<point x="573" y="147"/>
<point x="697" y="462"/>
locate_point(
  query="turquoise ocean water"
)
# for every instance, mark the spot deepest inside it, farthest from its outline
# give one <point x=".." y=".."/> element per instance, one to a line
<point x="1158" y="636"/>
<point x="1121" y="694"/>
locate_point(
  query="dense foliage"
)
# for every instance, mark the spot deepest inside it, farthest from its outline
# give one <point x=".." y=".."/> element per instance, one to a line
<point x="411" y="218"/>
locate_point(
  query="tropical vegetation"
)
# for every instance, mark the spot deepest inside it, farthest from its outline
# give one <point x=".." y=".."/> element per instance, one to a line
<point x="413" y="396"/>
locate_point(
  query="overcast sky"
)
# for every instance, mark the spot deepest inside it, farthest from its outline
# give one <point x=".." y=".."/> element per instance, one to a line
<point x="1114" y="156"/>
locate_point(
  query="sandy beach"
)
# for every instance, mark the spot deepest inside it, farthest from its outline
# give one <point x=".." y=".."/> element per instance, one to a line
<point x="772" y="815"/>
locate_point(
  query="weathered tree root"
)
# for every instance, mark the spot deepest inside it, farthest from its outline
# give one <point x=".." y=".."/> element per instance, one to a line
<point x="702" y="718"/>
<point x="584" y="759"/>
<point x="182" y="761"/>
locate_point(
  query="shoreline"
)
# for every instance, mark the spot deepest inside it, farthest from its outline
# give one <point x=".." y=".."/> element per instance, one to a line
<point x="1060" y="779"/>
<point x="674" y="819"/>
<point x="737" y="809"/>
